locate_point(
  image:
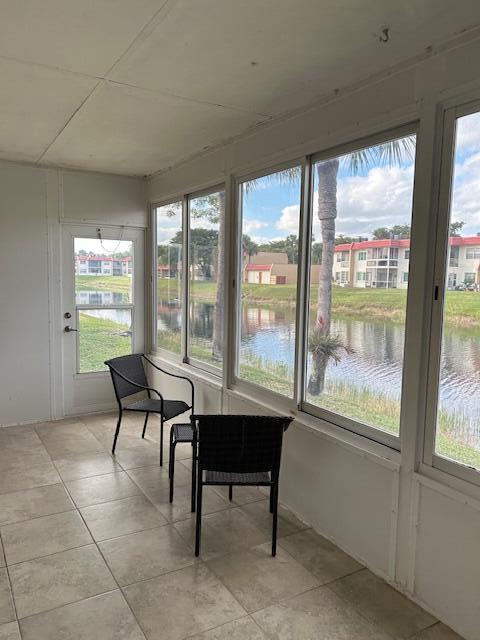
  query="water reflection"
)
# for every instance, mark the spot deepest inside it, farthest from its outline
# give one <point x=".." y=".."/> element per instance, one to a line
<point x="101" y="297"/>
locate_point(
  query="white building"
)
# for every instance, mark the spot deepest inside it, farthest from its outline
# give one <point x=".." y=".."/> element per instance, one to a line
<point x="384" y="264"/>
<point x="102" y="266"/>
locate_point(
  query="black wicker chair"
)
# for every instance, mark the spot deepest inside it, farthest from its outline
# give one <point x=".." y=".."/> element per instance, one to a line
<point x="238" y="450"/>
<point x="129" y="377"/>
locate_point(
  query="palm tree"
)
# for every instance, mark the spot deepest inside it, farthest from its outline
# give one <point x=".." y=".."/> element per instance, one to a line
<point x="323" y="346"/>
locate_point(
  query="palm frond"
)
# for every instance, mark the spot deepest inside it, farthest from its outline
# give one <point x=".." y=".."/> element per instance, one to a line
<point x="288" y="176"/>
<point x="388" y="154"/>
<point x="327" y="346"/>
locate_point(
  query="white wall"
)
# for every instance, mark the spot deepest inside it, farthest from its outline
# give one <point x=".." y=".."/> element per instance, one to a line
<point x="34" y="202"/>
<point x="379" y="505"/>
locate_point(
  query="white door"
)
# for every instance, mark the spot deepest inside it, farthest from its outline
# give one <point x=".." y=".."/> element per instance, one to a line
<point x="102" y="310"/>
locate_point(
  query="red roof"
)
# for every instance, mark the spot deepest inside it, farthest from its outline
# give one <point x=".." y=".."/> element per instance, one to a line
<point x="258" y="267"/>
<point x="455" y="241"/>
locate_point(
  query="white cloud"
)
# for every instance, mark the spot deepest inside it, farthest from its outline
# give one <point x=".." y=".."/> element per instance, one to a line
<point x="468" y="134"/>
<point x="381" y="198"/>
<point x="253" y="225"/>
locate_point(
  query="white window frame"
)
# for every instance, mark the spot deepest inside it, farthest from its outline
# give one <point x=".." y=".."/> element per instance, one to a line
<point x="183" y="357"/>
<point x="431" y="460"/>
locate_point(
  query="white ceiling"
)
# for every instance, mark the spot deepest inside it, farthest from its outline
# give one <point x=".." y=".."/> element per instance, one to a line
<point x="134" y="86"/>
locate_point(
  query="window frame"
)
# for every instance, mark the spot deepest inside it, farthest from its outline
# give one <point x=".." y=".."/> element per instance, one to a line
<point x="449" y="114"/>
<point x="236" y="382"/>
<point x="183" y="356"/>
<point x="372" y="433"/>
<point x="187" y="358"/>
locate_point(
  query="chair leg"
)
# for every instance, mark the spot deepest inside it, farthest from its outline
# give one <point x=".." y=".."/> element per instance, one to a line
<point x="161" y="440"/>
<point x="194" y="475"/>
<point x="271" y="499"/>
<point x="198" y="528"/>
<point x="230" y="492"/>
<point x="171" y="464"/>
<point x="275" y="519"/>
<point x="117" y="431"/>
<point x="145" y="424"/>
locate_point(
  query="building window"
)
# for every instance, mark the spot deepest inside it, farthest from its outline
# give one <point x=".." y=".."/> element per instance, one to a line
<point x="270" y="217"/>
<point x="405" y="276"/>
<point x="362" y="255"/>
<point x="454" y="254"/>
<point x="407" y="254"/>
<point x="169" y="276"/>
<point x="457" y="436"/>
<point x="206" y="268"/>
<point x="473" y="253"/>
<point x="355" y="348"/>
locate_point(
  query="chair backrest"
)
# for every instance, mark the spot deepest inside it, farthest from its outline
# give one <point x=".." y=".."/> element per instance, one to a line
<point x="240" y="443"/>
<point x="131" y="367"/>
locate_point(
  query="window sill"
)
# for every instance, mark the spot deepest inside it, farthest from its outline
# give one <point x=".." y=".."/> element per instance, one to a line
<point x="452" y="486"/>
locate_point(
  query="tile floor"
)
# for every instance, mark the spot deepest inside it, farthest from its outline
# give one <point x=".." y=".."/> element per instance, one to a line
<point x="91" y="549"/>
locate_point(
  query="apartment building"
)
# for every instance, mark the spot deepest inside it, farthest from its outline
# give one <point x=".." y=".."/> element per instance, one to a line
<point x="102" y="266"/>
<point x="384" y="264"/>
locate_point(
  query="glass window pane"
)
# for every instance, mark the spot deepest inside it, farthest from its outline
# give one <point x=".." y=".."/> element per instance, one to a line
<point x="458" y="418"/>
<point x="103" y="271"/>
<point x="362" y="209"/>
<point x="270" y="229"/>
<point x="169" y="276"/>
<point x="102" y="334"/>
<point x="206" y="293"/>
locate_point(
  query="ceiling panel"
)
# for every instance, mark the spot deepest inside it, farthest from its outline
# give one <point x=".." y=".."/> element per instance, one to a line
<point x="132" y="131"/>
<point x="86" y="36"/>
<point x="274" y="55"/>
<point x="35" y="103"/>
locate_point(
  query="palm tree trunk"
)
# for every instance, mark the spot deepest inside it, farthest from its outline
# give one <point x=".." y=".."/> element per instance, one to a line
<point x="217" y="350"/>
<point x="327" y="213"/>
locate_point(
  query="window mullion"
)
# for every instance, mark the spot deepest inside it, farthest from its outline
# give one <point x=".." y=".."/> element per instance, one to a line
<point x="185" y="278"/>
<point x="303" y="283"/>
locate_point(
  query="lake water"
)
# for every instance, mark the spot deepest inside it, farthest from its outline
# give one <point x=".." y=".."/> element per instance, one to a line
<point x="375" y="363"/>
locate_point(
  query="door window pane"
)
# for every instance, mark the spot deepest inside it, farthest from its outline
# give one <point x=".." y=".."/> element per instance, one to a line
<point x="362" y="209"/>
<point x="169" y="276"/>
<point x="458" y="418"/>
<point x="103" y="271"/>
<point x="102" y="334"/>
<point x="269" y="252"/>
<point x="206" y="268"/>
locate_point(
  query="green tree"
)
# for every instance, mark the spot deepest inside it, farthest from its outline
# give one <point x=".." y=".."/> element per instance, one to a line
<point x="401" y="231"/>
<point x="203" y="249"/>
<point x="456" y="228"/>
<point x="323" y="345"/>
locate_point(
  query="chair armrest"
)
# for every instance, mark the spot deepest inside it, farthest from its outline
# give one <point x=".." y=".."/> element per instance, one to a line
<point x="135" y="384"/>
<point x="173" y="375"/>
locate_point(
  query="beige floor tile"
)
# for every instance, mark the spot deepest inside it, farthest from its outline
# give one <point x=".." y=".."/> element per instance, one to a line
<point x="42" y="536"/>
<point x="258" y="580"/>
<point x="33" y="503"/>
<point x="155" y="476"/>
<point x="436" y="632"/>
<point x="316" y="615"/>
<point x="7" y="613"/>
<point x="260" y="514"/>
<point x="182" y="603"/>
<point x="241" y="495"/>
<point x="223" y="532"/>
<point x="181" y="507"/>
<point x="50" y="582"/>
<point x="103" y="617"/>
<point x="326" y="561"/>
<point x="98" y="489"/>
<point x="9" y="631"/>
<point x="382" y="605"/>
<point x="86" y="465"/>
<point x="147" y="554"/>
<point x="27" y="476"/>
<point x="140" y="456"/>
<point x="243" y="629"/>
<point x="66" y="440"/>
<point x="121" y="517"/>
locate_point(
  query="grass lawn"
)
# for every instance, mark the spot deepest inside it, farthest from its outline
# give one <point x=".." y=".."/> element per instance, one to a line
<point x="100" y="339"/>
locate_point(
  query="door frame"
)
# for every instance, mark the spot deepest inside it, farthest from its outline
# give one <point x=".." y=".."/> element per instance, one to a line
<point x="69" y="375"/>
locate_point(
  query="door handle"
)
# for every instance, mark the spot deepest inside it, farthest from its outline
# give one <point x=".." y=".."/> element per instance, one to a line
<point x="68" y="329"/>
